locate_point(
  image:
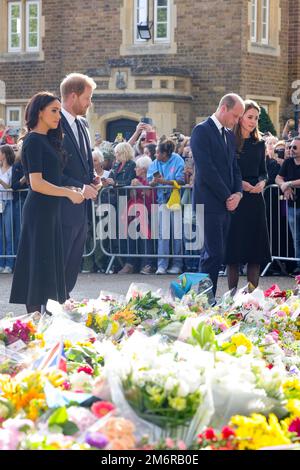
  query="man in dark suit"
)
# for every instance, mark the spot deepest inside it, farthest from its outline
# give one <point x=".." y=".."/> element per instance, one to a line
<point x="76" y="92"/>
<point x="218" y="182"/>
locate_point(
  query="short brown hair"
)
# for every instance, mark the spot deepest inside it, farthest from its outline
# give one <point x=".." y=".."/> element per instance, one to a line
<point x="7" y="150"/>
<point x="76" y="83"/>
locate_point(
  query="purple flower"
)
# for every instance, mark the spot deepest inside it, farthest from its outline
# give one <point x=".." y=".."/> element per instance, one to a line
<point x="96" y="439"/>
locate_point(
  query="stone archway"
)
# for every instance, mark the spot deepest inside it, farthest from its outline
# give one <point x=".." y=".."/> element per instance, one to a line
<point x="100" y="123"/>
<point x="126" y="127"/>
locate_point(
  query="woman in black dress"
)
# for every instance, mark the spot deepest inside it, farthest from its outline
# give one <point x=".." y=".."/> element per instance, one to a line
<point x="39" y="270"/>
<point x="248" y="241"/>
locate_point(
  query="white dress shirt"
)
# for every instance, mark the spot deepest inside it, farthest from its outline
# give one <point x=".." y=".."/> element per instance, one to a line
<point x="219" y="126"/>
<point x="71" y="121"/>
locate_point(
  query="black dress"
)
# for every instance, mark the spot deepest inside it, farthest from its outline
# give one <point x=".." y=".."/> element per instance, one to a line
<point x="39" y="269"/>
<point x="248" y="240"/>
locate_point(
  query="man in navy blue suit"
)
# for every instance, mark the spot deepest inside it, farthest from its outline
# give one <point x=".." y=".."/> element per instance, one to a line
<point x="218" y="182"/>
<point x="76" y="91"/>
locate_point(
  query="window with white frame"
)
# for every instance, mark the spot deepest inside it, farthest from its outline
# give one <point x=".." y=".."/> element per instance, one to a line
<point x="161" y="20"/>
<point x="13" y="116"/>
<point x="32" y="26"/>
<point x="141" y="16"/>
<point x="259" y="21"/>
<point x="265" y="16"/>
<point x="155" y="13"/>
<point x="14" y="26"/>
<point x="24" y="26"/>
<point x="253" y="20"/>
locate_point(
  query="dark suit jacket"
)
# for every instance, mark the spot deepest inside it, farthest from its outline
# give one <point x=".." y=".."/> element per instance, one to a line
<point x="217" y="174"/>
<point x="78" y="171"/>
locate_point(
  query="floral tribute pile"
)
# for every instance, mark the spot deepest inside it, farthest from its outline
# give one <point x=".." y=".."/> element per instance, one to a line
<point x="152" y="372"/>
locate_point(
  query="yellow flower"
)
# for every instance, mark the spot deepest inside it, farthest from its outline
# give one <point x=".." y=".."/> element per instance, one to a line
<point x="293" y="407"/>
<point x="36" y="408"/>
<point x="67" y="344"/>
<point x="237" y="340"/>
<point x="87" y="344"/>
<point x="257" y="431"/>
<point x="285" y="308"/>
<point x="241" y="340"/>
<point x="291" y="388"/>
<point x="40" y="337"/>
<point x="177" y="403"/>
<point x="89" y="320"/>
<point x="56" y="377"/>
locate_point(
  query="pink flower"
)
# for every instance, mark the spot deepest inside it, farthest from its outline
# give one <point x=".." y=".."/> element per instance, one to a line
<point x="169" y="443"/>
<point x="281" y="313"/>
<point x="181" y="445"/>
<point x="297" y="279"/>
<point x="295" y="426"/>
<point x="274" y="334"/>
<point x="87" y="369"/>
<point x="102" y="408"/>
<point x="223" y="327"/>
<point x="66" y="385"/>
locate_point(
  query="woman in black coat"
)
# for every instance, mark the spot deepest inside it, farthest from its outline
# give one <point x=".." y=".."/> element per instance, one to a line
<point x="248" y="241"/>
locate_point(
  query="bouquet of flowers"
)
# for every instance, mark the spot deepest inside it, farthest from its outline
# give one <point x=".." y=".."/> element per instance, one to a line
<point x="163" y="383"/>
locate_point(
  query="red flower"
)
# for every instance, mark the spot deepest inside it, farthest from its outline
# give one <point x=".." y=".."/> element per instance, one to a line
<point x="101" y="408"/>
<point x="87" y="369"/>
<point x="295" y="426"/>
<point x="227" y="432"/>
<point x="270" y="366"/>
<point x="210" y="434"/>
<point x="272" y="291"/>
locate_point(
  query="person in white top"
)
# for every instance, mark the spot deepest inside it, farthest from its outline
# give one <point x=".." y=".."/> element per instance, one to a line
<point x="7" y="158"/>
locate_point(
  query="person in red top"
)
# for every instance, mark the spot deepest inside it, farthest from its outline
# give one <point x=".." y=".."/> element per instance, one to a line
<point x="140" y="200"/>
<point x="5" y="138"/>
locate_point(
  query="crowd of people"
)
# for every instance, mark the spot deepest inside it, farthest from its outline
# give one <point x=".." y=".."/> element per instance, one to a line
<point x="225" y="165"/>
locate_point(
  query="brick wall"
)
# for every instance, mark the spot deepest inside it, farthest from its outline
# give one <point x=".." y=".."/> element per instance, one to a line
<point x="211" y="43"/>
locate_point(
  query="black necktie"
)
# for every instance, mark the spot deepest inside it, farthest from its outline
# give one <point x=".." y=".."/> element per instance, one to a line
<point x="224" y="135"/>
<point x="81" y="141"/>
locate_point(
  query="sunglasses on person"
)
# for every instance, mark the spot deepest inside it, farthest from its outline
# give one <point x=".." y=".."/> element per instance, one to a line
<point x="294" y="147"/>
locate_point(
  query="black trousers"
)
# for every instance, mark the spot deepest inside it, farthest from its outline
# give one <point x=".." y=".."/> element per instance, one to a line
<point x="216" y="227"/>
<point x="74" y="238"/>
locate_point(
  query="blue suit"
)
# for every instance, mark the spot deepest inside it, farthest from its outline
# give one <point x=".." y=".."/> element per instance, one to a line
<point x="217" y="176"/>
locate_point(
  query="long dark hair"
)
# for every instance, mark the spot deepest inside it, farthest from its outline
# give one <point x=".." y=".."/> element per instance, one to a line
<point x="255" y="134"/>
<point x="38" y="103"/>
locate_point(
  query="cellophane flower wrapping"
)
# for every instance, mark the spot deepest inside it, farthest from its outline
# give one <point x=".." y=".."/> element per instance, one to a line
<point x="149" y="365"/>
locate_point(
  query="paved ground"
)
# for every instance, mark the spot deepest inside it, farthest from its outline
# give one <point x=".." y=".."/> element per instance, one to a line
<point x="89" y="285"/>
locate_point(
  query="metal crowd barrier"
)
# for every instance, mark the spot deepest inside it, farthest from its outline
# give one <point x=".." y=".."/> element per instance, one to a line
<point x="284" y="227"/>
<point x="131" y="222"/>
<point x="121" y="210"/>
<point x="11" y="207"/>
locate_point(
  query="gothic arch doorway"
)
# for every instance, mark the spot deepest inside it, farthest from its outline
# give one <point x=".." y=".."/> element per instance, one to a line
<point x="124" y="126"/>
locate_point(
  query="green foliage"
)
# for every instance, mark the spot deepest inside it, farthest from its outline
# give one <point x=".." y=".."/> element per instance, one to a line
<point x="59" y="422"/>
<point x="204" y="337"/>
<point x="265" y="123"/>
